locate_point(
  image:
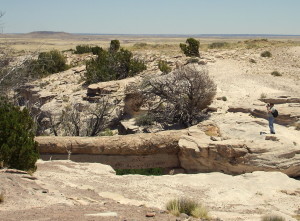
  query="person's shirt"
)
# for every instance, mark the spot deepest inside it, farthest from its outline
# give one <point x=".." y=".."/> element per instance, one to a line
<point x="270" y="111"/>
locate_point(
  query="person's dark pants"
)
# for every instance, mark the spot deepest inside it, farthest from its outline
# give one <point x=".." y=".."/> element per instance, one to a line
<point x="271" y="122"/>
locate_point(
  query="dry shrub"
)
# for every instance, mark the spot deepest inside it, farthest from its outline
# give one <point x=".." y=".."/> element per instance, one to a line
<point x="187" y="206"/>
<point x="179" y="97"/>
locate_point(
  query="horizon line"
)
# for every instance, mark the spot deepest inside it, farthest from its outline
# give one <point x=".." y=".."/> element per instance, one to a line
<point x="153" y="34"/>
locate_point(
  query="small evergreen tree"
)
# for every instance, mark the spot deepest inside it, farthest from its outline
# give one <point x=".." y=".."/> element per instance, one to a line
<point x="52" y="62"/>
<point x="81" y="49"/>
<point x="191" y="48"/>
<point x="114" y="46"/>
<point x="114" y="64"/>
<point x="47" y="63"/>
<point x="17" y="146"/>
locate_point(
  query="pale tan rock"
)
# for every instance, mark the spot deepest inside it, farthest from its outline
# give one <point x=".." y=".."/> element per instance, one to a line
<point x="202" y="153"/>
<point x="136" y="144"/>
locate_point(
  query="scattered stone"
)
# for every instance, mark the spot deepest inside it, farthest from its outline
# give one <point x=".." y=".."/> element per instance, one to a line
<point x="13" y="171"/>
<point x="29" y="177"/>
<point x="150" y="214"/>
<point x="45" y="191"/>
<point x="183" y="216"/>
<point x="273" y="138"/>
<point x="105" y="214"/>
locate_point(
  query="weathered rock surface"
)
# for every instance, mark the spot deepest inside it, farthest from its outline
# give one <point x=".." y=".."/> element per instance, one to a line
<point x="236" y="154"/>
<point x="288" y="112"/>
<point x="150" y="150"/>
<point x="138" y="144"/>
<point x="94" y="186"/>
<point x="204" y="148"/>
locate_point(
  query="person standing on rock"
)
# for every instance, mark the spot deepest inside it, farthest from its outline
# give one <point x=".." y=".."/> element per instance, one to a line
<point x="270" y="110"/>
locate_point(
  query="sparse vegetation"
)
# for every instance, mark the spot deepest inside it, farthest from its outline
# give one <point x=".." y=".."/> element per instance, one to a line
<point x="191" y="48"/>
<point x="187" y="206"/>
<point x="88" y="122"/>
<point x="144" y="120"/>
<point x="47" y="63"/>
<point x="81" y="49"/>
<point x="276" y="74"/>
<point x="114" y="46"/>
<point x="107" y="132"/>
<point x="164" y="67"/>
<point x="272" y="218"/>
<point x="266" y="54"/>
<point x="113" y="64"/>
<point x="218" y="45"/>
<point x="179" y="96"/>
<point x="224" y="98"/>
<point x="263" y="95"/>
<point x="146" y="172"/>
<point x="17" y="146"/>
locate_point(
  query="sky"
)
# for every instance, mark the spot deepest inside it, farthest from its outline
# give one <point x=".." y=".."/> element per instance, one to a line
<point x="152" y="16"/>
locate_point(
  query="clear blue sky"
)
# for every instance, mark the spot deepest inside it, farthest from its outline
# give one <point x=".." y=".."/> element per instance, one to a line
<point x="152" y="16"/>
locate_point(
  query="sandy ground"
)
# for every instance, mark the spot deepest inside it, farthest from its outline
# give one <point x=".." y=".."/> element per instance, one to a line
<point x="64" y="190"/>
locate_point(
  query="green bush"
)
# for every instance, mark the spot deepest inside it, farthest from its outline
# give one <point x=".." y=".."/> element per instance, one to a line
<point x="96" y="50"/>
<point x="224" y="98"/>
<point x="164" y="67"/>
<point x="187" y="206"/>
<point x="218" y="45"/>
<point x="191" y="48"/>
<point x="276" y="74"/>
<point x="144" y="120"/>
<point x="107" y="132"/>
<point x="17" y="146"/>
<point x="146" y="172"/>
<point x="52" y="62"/>
<point x="114" y="46"/>
<point x="46" y="64"/>
<point x="82" y="49"/>
<point x="266" y="54"/>
<point x="112" y="65"/>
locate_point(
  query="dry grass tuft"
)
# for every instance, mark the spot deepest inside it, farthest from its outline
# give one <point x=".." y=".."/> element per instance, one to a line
<point x="187" y="206"/>
<point x="272" y="218"/>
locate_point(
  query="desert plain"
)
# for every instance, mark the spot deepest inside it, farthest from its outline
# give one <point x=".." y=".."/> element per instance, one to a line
<point x="239" y="171"/>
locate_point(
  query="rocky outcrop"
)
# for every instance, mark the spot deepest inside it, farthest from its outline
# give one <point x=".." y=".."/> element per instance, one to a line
<point x="200" y="153"/>
<point x="281" y="100"/>
<point x="131" y="151"/>
<point x="201" y="148"/>
<point x="288" y="114"/>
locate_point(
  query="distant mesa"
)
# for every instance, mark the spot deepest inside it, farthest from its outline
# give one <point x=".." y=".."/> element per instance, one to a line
<point x="41" y="34"/>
